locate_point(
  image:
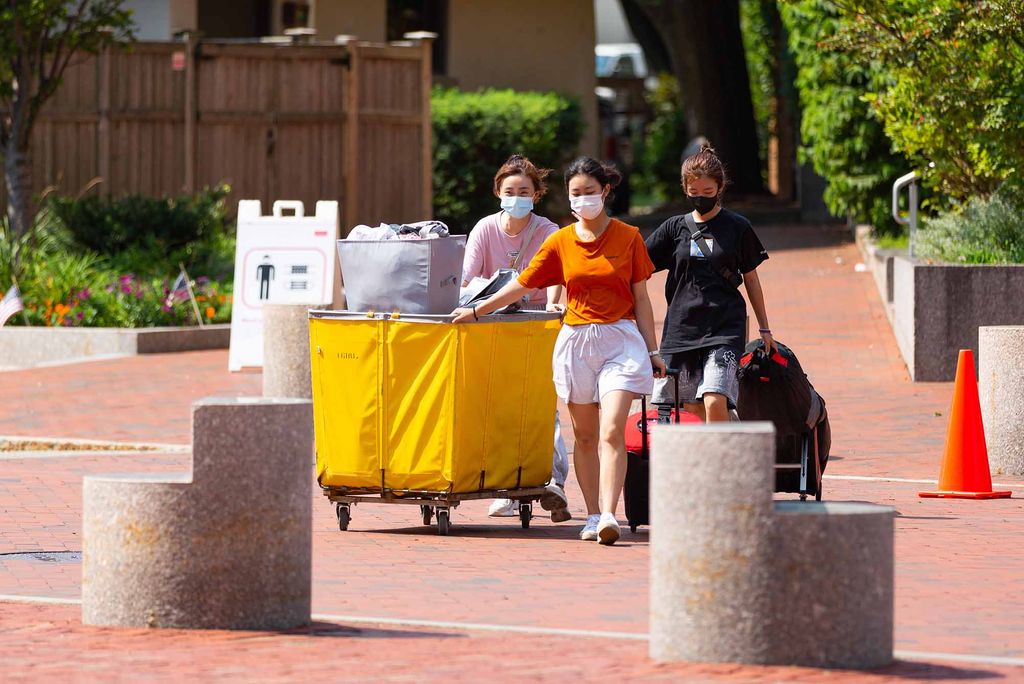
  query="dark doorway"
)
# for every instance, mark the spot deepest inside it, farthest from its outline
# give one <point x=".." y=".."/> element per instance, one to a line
<point x="234" y="18"/>
<point x="405" y="16"/>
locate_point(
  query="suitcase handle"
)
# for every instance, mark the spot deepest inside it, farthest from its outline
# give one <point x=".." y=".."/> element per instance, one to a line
<point x="674" y="374"/>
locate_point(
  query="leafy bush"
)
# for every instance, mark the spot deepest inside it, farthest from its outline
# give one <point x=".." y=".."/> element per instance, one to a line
<point x="842" y="137"/>
<point x="475" y="132"/>
<point x="64" y="284"/>
<point x="664" y="140"/>
<point x="984" y="231"/>
<point x="952" y="96"/>
<point x="150" y="225"/>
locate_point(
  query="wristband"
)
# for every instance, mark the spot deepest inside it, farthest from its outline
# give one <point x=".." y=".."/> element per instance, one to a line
<point x="764" y="330"/>
<point x="654" y="353"/>
<point x="475" y="317"/>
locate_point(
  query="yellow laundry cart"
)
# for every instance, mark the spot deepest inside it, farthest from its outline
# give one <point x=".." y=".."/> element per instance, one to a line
<point x="418" y="410"/>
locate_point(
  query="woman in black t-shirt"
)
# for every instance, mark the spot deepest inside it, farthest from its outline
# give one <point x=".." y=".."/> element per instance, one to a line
<point x="708" y="253"/>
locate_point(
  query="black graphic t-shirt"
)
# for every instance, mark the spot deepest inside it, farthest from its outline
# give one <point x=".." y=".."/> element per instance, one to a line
<point x="704" y="309"/>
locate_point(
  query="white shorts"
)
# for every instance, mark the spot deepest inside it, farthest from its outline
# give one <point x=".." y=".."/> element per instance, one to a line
<point x="594" y="359"/>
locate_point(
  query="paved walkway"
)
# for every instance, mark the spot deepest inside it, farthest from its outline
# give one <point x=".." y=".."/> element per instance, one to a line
<point x="959" y="593"/>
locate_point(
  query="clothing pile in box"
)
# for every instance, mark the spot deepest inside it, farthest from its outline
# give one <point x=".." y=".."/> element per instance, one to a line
<point x="422" y="230"/>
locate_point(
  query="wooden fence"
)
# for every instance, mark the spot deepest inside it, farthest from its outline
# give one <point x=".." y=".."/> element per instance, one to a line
<point x="349" y="122"/>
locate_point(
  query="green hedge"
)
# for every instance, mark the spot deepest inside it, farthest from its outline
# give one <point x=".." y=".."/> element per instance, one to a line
<point x="475" y="132"/>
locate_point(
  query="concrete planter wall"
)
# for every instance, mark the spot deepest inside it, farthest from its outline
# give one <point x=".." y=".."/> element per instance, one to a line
<point x="22" y="347"/>
<point x="937" y="309"/>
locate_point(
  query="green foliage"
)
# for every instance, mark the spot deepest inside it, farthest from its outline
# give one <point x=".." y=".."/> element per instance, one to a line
<point x="664" y="140"/>
<point x="953" y="97"/>
<point x="475" y="132"/>
<point x="759" y="45"/>
<point x="983" y="231"/>
<point x="841" y="135"/>
<point x="64" y="283"/>
<point x="148" y="225"/>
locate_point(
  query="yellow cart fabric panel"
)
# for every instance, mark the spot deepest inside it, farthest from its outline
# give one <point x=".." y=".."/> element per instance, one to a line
<point x="419" y="404"/>
<point x="506" y="405"/>
<point x="345" y="363"/>
<point x="433" y="405"/>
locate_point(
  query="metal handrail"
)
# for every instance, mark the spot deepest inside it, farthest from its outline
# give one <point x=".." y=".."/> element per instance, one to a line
<point x="901" y="182"/>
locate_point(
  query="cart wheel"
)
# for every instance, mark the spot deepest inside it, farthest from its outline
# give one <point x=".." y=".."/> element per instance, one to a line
<point x="344" y="516"/>
<point x="803" y="497"/>
<point x="632" y="528"/>
<point x="443" y="522"/>
<point x="525" y="513"/>
<point x="817" y="494"/>
<point x="428" y="514"/>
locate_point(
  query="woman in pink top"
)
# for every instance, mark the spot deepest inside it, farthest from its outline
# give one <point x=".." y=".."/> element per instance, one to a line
<point x="510" y="239"/>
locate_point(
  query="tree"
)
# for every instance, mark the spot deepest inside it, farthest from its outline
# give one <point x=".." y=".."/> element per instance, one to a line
<point x="840" y="134"/>
<point x="953" y="95"/>
<point x="38" y="39"/>
<point x="705" y="51"/>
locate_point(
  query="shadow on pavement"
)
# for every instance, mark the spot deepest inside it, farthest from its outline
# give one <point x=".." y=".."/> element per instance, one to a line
<point x="330" y="629"/>
<point x="905" y="669"/>
<point x="568" y="532"/>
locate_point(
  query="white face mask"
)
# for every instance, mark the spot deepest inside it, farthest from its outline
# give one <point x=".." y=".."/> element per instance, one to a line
<point x="517" y="207"/>
<point x="587" y="206"/>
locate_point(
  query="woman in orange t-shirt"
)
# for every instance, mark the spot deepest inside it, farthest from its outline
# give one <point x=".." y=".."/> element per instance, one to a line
<point x="606" y="353"/>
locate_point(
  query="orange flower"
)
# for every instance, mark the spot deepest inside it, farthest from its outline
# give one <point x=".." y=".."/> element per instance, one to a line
<point x="201" y="298"/>
<point x="210" y="312"/>
<point x="222" y="299"/>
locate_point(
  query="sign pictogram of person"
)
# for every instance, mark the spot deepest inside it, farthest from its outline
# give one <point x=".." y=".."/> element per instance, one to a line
<point x="265" y="274"/>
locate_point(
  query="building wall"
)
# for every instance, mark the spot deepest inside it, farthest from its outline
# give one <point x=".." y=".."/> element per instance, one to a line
<point x="161" y="19"/>
<point x="527" y="45"/>
<point x="366" y="19"/>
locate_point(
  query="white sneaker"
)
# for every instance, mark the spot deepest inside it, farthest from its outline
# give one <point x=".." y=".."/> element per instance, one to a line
<point x="589" y="531"/>
<point x="608" y="529"/>
<point x="554" y="500"/>
<point x="553" y="497"/>
<point x="503" y="508"/>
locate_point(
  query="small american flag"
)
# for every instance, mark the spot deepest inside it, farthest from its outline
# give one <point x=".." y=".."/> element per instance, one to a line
<point x="10" y="304"/>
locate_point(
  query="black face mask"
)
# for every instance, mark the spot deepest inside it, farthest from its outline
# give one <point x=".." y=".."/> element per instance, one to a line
<point x="702" y="204"/>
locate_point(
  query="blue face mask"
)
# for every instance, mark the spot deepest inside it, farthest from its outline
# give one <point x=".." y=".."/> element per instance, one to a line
<point x="517" y="207"/>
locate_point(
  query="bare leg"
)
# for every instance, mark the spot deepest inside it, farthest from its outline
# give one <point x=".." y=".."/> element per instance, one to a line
<point x="585" y="428"/>
<point x="716" y="407"/>
<point x="614" y="410"/>
<point x="696" y="409"/>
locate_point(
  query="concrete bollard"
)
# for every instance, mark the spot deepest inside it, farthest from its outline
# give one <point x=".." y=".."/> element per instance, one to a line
<point x="736" y="577"/>
<point x="228" y="547"/>
<point x="832" y="591"/>
<point x="286" y="370"/>
<point x="711" y="507"/>
<point x="1001" y="390"/>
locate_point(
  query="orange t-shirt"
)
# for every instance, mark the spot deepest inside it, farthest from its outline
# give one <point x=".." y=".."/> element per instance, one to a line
<point x="598" y="276"/>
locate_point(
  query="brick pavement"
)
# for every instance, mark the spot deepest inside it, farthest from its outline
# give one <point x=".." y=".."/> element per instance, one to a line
<point x="958" y="565"/>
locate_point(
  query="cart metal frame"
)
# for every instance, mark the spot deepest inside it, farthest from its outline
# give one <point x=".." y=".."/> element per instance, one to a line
<point x="433" y="504"/>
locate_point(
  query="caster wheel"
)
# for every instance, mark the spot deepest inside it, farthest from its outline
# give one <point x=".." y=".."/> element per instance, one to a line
<point x="344" y="517"/>
<point x="428" y="514"/>
<point x="632" y="528"/>
<point x="803" y="497"/>
<point x="525" y="514"/>
<point x="443" y="522"/>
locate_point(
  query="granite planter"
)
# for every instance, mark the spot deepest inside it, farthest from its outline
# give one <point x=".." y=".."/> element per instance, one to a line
<point x="23" y="347"/>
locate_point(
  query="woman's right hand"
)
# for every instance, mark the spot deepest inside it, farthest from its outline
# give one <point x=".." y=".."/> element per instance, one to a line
<point x="463" y="314"/>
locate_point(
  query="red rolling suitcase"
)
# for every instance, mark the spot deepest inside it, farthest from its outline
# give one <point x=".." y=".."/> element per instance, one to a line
<point x="636" y="492"/>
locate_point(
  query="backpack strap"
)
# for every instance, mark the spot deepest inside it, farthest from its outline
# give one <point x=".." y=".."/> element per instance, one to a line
<point x="535" y="223"/>
<point x="731" y="277"/>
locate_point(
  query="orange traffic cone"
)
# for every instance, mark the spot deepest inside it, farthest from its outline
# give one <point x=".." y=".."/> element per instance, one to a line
<point x="965" y="473"/>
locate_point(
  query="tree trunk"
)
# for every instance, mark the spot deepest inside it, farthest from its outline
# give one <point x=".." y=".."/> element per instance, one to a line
<point x="18" y="181"/>
<point x="707" y="56"/>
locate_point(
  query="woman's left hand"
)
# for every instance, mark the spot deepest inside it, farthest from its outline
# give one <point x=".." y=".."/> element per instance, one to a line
<point x="554" y="307"/>
<point x="463" y="314"/>
<point x="770" y="346"/>
<point x="659" y="366"/>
